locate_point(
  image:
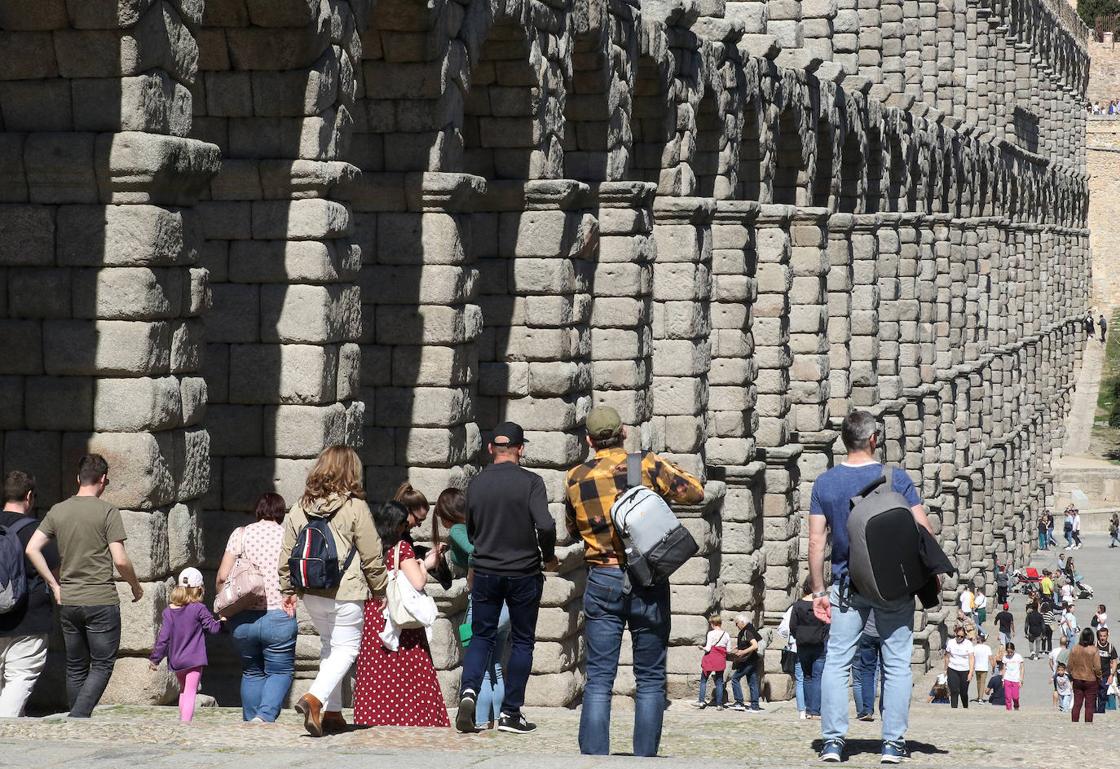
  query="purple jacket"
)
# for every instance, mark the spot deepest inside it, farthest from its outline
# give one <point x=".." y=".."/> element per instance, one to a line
<point x="180" y="636"/>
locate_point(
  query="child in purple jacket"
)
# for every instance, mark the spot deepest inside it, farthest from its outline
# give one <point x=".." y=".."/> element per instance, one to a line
<point x="180" y="638"/>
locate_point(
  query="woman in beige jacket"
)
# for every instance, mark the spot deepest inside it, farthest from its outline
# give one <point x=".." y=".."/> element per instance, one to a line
<point x="334" y="492"/>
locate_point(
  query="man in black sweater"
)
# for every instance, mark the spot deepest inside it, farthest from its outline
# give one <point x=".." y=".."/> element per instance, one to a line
<point x="514" y="537"/>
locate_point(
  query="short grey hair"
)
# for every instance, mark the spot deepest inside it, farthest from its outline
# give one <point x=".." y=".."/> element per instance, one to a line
<point x="742" y="619"/>
<point x="857" y="429"/>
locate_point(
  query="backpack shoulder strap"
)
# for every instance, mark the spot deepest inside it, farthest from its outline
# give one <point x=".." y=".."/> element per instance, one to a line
<point x="21" y="524"/>
<point x="633" y="469"/>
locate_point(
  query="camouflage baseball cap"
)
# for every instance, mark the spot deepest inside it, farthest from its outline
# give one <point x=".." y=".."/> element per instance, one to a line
<point x="603" y="422"/>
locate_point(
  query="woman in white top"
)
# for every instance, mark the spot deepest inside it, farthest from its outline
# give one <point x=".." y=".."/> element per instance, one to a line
<point x="1013" y="676"/>
<point x="959" y="666"/>
<point x="798" y="673"/>
<point x="982" y="656"/>
<point x="981" y="604"/>
<point x="967" y="599"/>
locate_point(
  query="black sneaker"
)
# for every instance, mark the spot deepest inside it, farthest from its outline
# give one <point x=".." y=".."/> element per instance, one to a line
<point x="464" y="716"/>
<point x="514" y="724"/>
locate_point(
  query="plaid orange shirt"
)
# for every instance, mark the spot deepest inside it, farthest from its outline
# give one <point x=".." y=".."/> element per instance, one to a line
<point x="593" y="486"/>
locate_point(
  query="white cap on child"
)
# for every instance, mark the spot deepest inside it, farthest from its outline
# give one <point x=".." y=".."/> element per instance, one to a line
<point x="190" y="577"/>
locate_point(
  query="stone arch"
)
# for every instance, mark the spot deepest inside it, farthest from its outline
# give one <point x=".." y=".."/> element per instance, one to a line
<point x="653" y="118"/>
<point x="854" y="163"/>
<point x="592" y="129"/>
<point x="711" y="139"/>
<point x="753" y="139"/>
<point x="877" y="170"/>
<point x="897" y="169"/>
<point x="825" y="163"/>
<point x="790" y="177"/>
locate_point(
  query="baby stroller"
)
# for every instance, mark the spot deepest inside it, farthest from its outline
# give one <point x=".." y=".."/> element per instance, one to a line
<point x="1026" y="581"/>
<point x="1083" y="589"/>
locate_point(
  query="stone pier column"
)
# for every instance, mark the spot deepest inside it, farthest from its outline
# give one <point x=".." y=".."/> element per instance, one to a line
<point x="622" y="311"/>
<point x="681" y="321"/>
<point x="840" y="285"/>
<point x="865" y="316"/>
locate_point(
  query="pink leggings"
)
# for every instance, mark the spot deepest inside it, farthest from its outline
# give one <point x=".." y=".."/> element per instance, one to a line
<point x="1011" y="694"/>
<point x="188" y="688"/>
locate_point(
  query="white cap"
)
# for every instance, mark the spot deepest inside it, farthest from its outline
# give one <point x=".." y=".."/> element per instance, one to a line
<point x="190" y="577"/>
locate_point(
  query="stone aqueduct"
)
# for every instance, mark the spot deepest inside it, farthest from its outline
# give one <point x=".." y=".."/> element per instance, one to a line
<point x="235" y="231"/>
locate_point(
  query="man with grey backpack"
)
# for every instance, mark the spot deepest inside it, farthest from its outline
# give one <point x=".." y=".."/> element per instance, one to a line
<point x="627" y="582"/>
<point x="838" y="494"/>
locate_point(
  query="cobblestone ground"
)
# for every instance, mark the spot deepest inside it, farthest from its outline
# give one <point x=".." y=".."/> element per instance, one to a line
<point x="982" y="736"/>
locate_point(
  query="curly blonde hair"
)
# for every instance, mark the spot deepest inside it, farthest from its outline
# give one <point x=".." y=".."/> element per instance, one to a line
<point x="338" y="470"/>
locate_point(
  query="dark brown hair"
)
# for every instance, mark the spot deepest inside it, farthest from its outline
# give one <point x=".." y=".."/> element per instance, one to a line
<point x="270" y="507"/>
<point x="451" y="508"/>
<point x="17" y="485"/>
<point x="91" y="468"/>
<point x="412" y="499"/>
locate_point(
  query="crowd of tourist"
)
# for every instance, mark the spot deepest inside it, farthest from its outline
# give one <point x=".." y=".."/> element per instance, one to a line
<point x="360" y="579"/>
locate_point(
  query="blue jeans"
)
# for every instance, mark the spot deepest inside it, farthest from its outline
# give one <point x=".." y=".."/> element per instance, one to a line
<point x="266" y="642"/>
<point x="799" y="687"/>
<point x="607" y="612"/>
<point x="896" y="638"/>
<point x="522" y="596"/>
<point x="717" y="686"/>
<point x="812" y="658"/>
<point x="493" y="689"/>
<point x="750" y="672"/>
<point x="865" y="675"/>
<point x="1042" y="540"/>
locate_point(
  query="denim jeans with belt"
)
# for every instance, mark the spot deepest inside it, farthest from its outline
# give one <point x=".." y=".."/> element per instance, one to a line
<point x="896" y="636"/>
<point x="93" y="638"/>
<point x="608" y="609"/>
<point x="266" y="643"/>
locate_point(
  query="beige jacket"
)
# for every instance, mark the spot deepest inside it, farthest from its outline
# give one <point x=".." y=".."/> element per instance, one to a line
<point x="352" y="524"/>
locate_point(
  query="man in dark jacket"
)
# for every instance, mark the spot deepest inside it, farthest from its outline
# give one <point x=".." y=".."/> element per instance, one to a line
<point x="514" y="537"/>
<point x="1104" y="328"/>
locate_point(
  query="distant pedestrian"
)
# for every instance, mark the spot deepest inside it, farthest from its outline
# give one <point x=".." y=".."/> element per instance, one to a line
<point x="1002" y="582"/>
<point x="1107" y="653"/>
<point x="982" y="654"/>
<point x="514" y="538"/>
<point x="1100" y="619"/>
<point x="1114" y="530"/>
<point x="1090" y="330"/>
<point x="1005" y="622"/>
<point x="90" y="536"/>
<point x="745" y="660"/>
<point x="1063" y="689"/>
<point x="1084" y="668"/>
<point x="1033" y="626"/>
<point x="333" y="500"/>
<point x="812" y="646"/>
<point x="1048" y="620"/>
<point x="1067" y="527"/>
<point x="716" y="646"/>
<point x="1014" y="675"/>
<point x="1103" y="324"/>
<point x="264" y="634"/>
<point x="24" y="630"/>
<point x="612" y="602"/>
<point x="967" y="600"/>
<point x="981" y="604"/>
<point x="1076" y="529"/>
<point x="846" y="609"/>
<point x="995" y="690"/>
<point x="798" y="674"/>
<point x="180" y="640"/>
<point x="1042" y="538"/>
<point x="1050" y="538"/>
<point x="960" y="666"/>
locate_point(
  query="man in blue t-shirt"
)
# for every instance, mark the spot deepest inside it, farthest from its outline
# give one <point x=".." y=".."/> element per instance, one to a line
<point x="846" y="610"/>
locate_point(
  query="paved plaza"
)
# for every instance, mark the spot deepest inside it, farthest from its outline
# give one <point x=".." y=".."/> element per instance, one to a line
<point x="982" y="736"/>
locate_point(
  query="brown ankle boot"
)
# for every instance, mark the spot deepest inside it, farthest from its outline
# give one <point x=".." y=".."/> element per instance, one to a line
<point x="333" y="722"/>
<point x="311" y="710"/>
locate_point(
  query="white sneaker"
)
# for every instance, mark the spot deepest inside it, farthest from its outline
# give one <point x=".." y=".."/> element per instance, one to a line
<point x="801" y="715"/>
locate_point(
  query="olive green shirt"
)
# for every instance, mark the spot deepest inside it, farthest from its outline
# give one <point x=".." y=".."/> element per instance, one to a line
<point x="83" y="527"/>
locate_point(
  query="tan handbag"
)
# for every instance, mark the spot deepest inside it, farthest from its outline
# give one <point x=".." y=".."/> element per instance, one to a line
<point x="243" y="587"/>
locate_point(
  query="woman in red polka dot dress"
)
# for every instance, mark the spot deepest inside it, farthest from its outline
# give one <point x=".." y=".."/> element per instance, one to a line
<point x="397" y="688"/>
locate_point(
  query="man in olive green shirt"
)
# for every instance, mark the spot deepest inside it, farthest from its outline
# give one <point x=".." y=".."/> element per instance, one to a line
<point x="90" y="536"/>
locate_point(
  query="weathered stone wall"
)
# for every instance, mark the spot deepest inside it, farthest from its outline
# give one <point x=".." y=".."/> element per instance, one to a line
<point x="733" y="222"/>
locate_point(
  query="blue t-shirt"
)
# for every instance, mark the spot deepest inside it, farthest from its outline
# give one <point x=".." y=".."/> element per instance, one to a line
<point x="832" y="495"/>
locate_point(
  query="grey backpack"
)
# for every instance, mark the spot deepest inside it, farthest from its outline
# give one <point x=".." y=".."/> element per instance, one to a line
<point x="884" y="545"/>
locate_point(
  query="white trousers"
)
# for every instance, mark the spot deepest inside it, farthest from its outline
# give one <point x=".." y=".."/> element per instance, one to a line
<point x="339" y="624"/>
<point x="22" y="659"/>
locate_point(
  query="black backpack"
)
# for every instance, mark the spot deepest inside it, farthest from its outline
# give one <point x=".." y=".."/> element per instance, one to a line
<point x="885" y="557"/>
<point x="314" y="560"/>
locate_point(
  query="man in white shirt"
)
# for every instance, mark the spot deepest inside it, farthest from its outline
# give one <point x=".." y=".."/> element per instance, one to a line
<point x="982" y="656"/>
<point x="968" y="599"/>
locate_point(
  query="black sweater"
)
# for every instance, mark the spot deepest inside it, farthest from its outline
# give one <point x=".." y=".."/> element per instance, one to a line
<point x="508" y="521"/>
<point x="807" y="630"/>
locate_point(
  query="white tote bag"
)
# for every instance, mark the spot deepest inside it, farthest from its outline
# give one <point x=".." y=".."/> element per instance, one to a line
<point x="405" y="606"/>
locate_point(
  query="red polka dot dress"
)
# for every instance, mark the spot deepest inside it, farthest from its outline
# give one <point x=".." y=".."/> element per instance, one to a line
<point x="396" y="688"/>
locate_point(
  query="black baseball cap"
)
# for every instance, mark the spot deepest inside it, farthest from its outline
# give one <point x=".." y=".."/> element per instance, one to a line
<point x="508" y="434"/>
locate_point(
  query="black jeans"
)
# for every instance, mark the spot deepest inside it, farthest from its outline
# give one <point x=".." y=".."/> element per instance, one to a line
<point x="93" y="637"/>
<point x="958" y="687"/>
<point x="522" y="595"/>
